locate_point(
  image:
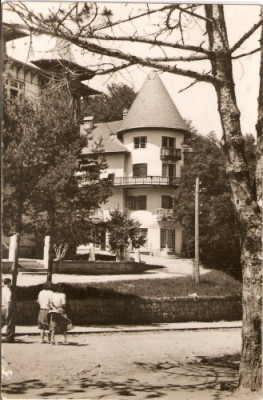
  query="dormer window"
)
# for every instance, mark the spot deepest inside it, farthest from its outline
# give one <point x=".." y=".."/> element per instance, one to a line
<point x="140" y="142"/>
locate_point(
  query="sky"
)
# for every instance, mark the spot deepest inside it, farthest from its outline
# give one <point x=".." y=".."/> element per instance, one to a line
<point x="198" y="103"/>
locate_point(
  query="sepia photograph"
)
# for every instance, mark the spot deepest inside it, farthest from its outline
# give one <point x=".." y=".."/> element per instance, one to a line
<point x="132" y="180"/>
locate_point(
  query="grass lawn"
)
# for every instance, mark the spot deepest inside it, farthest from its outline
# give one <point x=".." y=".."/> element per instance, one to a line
<point x="214" y="283"/>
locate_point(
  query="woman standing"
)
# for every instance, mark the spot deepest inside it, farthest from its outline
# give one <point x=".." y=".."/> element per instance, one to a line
<point x="57" y="314"/>
<point x="44" y="301"/>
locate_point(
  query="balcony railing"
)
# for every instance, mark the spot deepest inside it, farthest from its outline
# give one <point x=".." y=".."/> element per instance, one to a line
<point x="164" y="213"/>
<point x="148" y="180"/>
<point x="99" y="214"/>
<point x="170" y="153"/>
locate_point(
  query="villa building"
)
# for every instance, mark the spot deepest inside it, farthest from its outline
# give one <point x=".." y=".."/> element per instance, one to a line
<point x="144" y="155"/>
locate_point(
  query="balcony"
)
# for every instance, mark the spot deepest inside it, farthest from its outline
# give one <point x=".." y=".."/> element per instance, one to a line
<point x="164" y="213"/>
<point x="170" y="154"/>
<point x="99" y="215"/>
<point x="147" y="181"/>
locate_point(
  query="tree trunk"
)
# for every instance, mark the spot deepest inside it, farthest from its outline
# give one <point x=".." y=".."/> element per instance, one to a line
<point x="50" y="260"/>
<point x="17" y="244"/>
<point x="244" y="200"/>
<point x="51" y="250"/>
<point x="259" y="127"/>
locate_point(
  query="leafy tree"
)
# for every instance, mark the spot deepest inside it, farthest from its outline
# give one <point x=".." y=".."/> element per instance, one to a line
<point x="22" y="165"/>
<point x="219" y="237"/>
<point x="69" y="186"/>
<point x="98" y="30"/>
<point x="123" y="233"/>
<point x="109" y="107"/>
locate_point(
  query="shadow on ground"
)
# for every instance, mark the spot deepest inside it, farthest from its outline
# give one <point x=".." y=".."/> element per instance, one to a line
<point x="217" y="376"/>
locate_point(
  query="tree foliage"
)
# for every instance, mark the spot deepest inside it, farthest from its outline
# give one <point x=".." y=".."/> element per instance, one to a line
<point x="109" y="107"/>
<point x="218" y="228"/>
<point x="124" y="232"/>
<point x="68" y="188"/>
<point x="21" y="163"/>
<point x="46" y="180"/>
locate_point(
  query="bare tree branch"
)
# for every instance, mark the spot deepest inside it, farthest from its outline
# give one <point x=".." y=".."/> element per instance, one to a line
<point x="130" y="18"/>
<point x="187" y="87"/>
<point x="184" y="59"/>
<point x="245" y="36"/>
<point x="246" y="54"/>
<point x="139" y="60"/>
<point x="113" y="69"/>
<point x="143" y="40"/>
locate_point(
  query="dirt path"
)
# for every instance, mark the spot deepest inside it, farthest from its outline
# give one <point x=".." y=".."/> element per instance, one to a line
<point x="189" y="365"/>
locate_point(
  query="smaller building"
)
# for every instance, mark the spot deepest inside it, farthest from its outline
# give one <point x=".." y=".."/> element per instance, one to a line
<point x="25" y="75"/>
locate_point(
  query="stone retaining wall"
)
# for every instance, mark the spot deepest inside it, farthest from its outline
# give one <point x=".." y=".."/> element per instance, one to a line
<point x="135" y="310"/>
<point x="99" y="267"/>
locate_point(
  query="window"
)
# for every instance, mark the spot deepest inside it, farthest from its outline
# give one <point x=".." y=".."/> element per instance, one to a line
<point x="136" y="202"/>
<point x="140" y="142"/>
<point x="167" y="202"/>
<point x="144" y="232"/>
<point x="111" y="177"/>
<point x="168" y="141"/>
<point x="15" y="88"/>
<point x="140" y="170"/>
<point x="168" y="170"/>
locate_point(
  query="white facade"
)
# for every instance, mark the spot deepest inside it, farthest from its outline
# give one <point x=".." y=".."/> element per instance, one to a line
<point x="154" y="215"/>
<point x="146" y="164"/>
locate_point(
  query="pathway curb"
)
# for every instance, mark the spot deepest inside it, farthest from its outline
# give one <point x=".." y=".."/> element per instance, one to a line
<point x="190" y="326"/>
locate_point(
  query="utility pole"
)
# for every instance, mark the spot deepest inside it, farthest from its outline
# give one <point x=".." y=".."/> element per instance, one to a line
<point x="196" y="262"/>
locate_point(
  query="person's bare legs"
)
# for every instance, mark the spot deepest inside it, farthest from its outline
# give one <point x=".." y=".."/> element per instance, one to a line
<point x="53" y="341"/>
<point x="65" y="338"/>
<point x="42" y="336"/>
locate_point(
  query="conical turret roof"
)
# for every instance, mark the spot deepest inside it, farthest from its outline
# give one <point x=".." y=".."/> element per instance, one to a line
<point x="153" y="108"/>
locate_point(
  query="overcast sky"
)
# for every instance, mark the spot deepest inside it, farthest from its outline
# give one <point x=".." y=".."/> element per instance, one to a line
<point x="197" y="103"/>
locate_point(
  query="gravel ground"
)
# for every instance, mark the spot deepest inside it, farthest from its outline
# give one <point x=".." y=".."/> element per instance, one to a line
<point x="189" y="365"/>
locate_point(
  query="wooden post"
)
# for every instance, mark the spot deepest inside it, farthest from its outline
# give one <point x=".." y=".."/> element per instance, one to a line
<point x="196" y="262"/>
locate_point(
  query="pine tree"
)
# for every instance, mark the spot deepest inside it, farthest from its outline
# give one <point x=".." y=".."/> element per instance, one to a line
<point x="109" y="107"/>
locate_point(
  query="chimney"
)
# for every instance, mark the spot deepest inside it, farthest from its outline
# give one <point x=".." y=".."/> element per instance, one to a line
<point x="87" y="125"/>
<point x="125" y="112"/>
<point x="89" y="122"/>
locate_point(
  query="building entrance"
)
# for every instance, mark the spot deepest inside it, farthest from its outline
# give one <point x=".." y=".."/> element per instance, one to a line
<point x="168" y="239"/>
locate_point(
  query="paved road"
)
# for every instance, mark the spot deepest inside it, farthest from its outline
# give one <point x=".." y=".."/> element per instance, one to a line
<point x="189" y="365"/>
<point x="169" y="267"/>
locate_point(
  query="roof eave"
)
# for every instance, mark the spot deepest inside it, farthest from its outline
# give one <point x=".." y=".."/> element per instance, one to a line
<point x="179" y="130"/>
